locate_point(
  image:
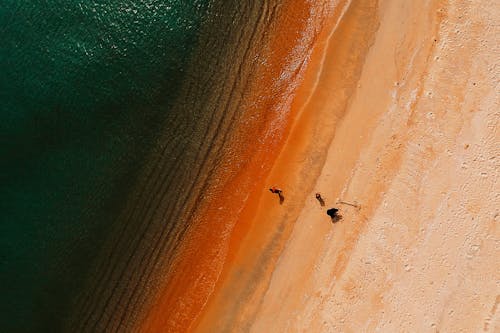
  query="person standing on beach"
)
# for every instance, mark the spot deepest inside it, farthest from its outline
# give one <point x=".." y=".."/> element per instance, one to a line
<point x="333" y="213"/>
<point x="320" y="199"/>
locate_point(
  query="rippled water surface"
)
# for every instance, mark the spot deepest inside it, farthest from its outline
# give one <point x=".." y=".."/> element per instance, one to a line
<point x="84" y="87"/>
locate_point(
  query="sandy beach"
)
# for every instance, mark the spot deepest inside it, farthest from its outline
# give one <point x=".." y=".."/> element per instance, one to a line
<point x="397" y="114"/>
<point x="144" y="142"/>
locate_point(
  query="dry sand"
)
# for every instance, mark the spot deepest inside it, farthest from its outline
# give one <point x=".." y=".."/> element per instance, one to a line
<point x="399" y="114"/>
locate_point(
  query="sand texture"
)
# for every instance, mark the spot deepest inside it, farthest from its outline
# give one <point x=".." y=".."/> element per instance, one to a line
<point x="398" y="114"/>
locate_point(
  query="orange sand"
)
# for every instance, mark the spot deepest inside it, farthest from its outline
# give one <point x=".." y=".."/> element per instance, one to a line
<point x="397" y="112"/>
<point x="241" y="174"/>
<point x="401" y="119"/>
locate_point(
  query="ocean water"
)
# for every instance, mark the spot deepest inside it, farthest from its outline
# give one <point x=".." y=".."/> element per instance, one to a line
<point x="85" y="86"/>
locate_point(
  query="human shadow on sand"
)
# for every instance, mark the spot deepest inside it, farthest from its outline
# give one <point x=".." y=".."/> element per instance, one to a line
<point x="336" y="218"/>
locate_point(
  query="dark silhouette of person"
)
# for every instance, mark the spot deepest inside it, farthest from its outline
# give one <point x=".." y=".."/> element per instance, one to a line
<point x="333" y="213"/>
<point x="278" y="192"/>
<point x="320" y="199"/>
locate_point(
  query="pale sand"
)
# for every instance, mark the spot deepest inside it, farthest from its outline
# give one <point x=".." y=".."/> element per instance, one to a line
<point x="414" y="121"/>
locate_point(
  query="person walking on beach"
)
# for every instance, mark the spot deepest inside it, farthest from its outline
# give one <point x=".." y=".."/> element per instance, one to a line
<point x="320" y="199"/>
<point x="275" y="190"/>
<point x="279" y="192"/>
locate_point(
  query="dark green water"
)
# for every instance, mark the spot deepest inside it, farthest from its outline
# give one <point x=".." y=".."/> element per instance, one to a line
<point x="84" y="87"/>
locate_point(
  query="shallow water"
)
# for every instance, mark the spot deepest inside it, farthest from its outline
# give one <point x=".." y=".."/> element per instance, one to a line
<point x="85" y="88"/>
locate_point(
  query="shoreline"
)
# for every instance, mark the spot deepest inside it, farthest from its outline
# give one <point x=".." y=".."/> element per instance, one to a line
<point x="308" y="128"/>
<point x="371" y="124"/>
<point x="206" y="244"/>
<point x="399" y="152"/>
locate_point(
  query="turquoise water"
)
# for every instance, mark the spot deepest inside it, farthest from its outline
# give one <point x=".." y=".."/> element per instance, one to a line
<point x="84" y="87"/>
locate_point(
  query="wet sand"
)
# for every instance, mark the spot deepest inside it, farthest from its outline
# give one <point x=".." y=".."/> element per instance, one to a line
<point x="402" y="120"/>
<point x="390" y="105"/>
<point x="237" y="181"/>
<point x="182" y="189"/>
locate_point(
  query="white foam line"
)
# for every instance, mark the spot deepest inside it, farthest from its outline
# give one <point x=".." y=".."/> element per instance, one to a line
<point x="323" y="59"/>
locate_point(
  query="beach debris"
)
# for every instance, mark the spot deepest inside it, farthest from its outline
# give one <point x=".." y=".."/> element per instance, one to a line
<point x="320" y="199"/>
<point x="279" y="192"/>
<point x="355" y="204"/>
